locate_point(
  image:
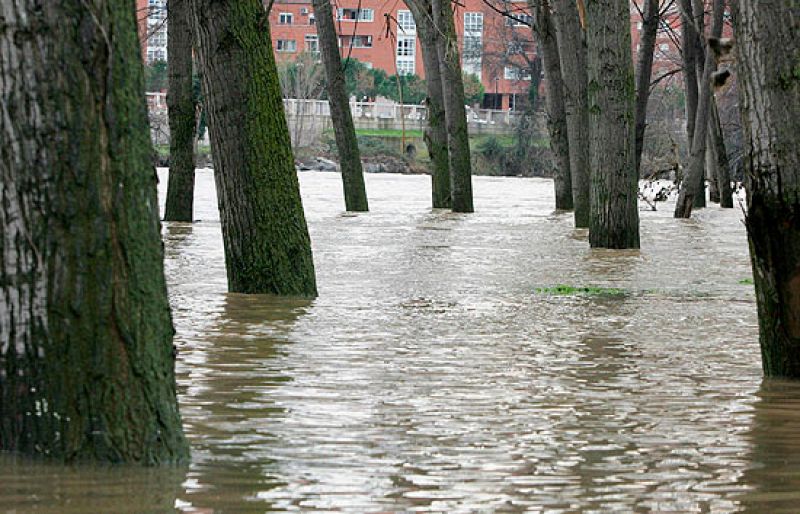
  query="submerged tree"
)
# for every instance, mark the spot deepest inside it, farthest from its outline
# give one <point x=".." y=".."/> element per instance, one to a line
<point x="86" y="356"/>
<point x="768" y="38"/>
<point x="614" y="200"/>
<point x="355" y="194"/>
<point x="545" y="35"/>
<point x="572" y="54"/>
<point x="180" y="102"/>
<point x="267" y="248"/>
<point x="435" y="134"/>
<point x="455" y="110"/>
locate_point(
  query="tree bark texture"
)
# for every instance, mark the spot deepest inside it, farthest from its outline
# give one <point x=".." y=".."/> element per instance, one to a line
<point x="688" y="42"/>
<point x="693" y="183"/>
<point x="572" y="54"/>
<point x="723" y="175"/>
<point x="86" y="355"/>
<point x="545" y="34"/>
<point x="768" y="36"/>
<point x="267" y="248"/>
<point x="455" y="111"/>
<point x="355" y="193"/>
<point x="180" y="102"/>
<point x="711" y="164"/>
<point x="644" y="69"/>
<point x="435" y="134"/>
<point x="614" y="201"/>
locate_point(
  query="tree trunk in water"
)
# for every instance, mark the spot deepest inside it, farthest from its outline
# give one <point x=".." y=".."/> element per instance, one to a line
<point x="693" y="184"/>
<point x="721" y="158"/>
<point x="86" y="356"/>
<point x="180" y="102"/>
<point x="267" y="248"/>
<point x="572" y="54"/>
<point x="455" y="111"/>
<point x="436" y="131"/>
<point x="615" y="210"/>
<point x="711" y="164"/>
<point x="545" y="35"/>
<point x="644" y="69"/>
<point x="355" y="194"/>
<point x="769" y="92"/>
<point x="699" y="200"/>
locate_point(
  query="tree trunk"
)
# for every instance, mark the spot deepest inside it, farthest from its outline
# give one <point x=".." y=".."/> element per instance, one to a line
<point x="769" y="92"/>
<point x="545" y="35"/>
<point x="267" y="248"/>
<point x="711" y="164"/>
<point x="180" y="102"/>
<point x="436" y="130"/>
<point x="355" y="194"/>
<point x="693" y="184"/>
<point x="688" y="42"/>
<point x="572" y="54"/>
<point x="699" y="200"/>
<point x="644" y="69"/>
<point x="86" y="356"/>
<point x="455" y="111"/>
<point x="723" y="165"/>
<point x="615" y="211"/>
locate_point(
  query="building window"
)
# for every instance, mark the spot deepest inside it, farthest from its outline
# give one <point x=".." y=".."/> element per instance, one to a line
<point x="158" y="38"/>
<point x="473" y="42"/>
<point x="312" y="43"/>
<point x="405" y="46"/>
<point x="286" y="45"/>
<point x="355" y="41"/>
<point x="519" y="20"/>
<point x="514" y="73"/>
<point x="156" y="54"/>
<point x="405" y="22"/>
<point x="355" y="14"/>
<point x="406" y="53"/>
<point x="405" y="67"/>
<point x="285" y="18"/>
<point x="473" y="22"/>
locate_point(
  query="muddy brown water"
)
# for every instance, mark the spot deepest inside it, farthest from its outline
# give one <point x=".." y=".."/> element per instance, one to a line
<point x="431" y="376"/>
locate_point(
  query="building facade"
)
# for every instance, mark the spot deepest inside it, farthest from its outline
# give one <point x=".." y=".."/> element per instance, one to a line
<point x="380" y="34"/>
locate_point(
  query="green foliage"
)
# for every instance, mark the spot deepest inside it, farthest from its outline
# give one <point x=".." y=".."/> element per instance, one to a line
<point x="371" y="82"/>
<point x="491" y="148"/>
<point x="746" y="281"/>
<point x="473" y="89"/>
<point x="566" y="290"/>
<point x="155" y="76"/>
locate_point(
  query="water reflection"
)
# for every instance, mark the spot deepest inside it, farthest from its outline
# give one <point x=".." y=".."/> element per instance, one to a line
<point x="772" y="477"/>
<point x="431" y="376"/>
<point x="226" y="381"/>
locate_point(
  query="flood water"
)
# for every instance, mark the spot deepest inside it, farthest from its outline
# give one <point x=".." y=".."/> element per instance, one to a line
<point x="431" y="376"/>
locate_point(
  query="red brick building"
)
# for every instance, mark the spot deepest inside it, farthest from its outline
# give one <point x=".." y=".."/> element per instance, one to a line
<point x="382" y="34"/>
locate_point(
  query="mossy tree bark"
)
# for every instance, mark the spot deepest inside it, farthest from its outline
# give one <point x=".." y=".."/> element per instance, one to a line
<point x="455" y="111"/>
<point x="768" y="39"/>
<point x="644" y="69"/>
<point x="355" y="193"/>
<point x="545" y="35"/>
<point x="572" y="54"/>
<point x="435" y="134"/>
<point x="86" y="356"/>
<point x="180" y="102"/>
<point x="693" y="183"/>
<point x="267" y="248"/>
<point x="615" y="211"/>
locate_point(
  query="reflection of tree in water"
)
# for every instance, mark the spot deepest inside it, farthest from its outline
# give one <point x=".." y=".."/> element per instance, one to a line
<point x="226" y="402"/>
<point x="773" y="473"/>
<point x="35" y="486"/>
